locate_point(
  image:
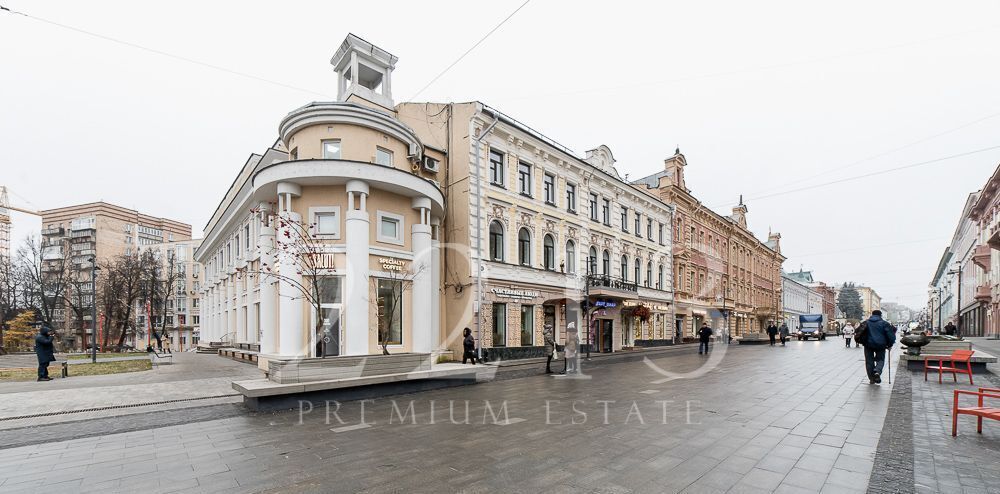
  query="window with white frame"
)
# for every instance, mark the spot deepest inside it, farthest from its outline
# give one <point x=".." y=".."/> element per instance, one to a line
<point x="496" y="168"/>
<point x="325" y="221"/>
<point x="383" y="156"/>
<point x="331" y="149"/>
<point x="524" y="178"/>
<point x="390" y="228"/>
<point x="550" y="188"/>
<point x="571" y="197"/>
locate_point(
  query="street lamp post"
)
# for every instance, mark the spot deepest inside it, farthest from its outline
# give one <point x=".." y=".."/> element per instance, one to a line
<point x="93" y="308"/>
<point x="958" y="308"/>
<point x="586" y="307"/>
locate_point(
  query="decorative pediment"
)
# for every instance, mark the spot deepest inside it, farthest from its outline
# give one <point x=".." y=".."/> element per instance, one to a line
<point x="524" y="220"/>
<point x="551" y="227"/>
<point x="499" y="212"/>
<point x="571" y="233"/>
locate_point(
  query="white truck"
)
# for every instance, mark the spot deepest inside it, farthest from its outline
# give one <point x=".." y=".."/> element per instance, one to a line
<point x="811" y="326"/>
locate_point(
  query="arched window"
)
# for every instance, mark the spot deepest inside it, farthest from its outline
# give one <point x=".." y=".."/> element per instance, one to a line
<point x="659" y="278"/>
<point x="649" y="274"/>
<point x="549" y="253"/>
<point x="592" y="261"/>
<point x="638" y="270"/>
<point x="524" y="247"/>
<point x="625" y="268"/>
<point x="606" y="263"/>
<point x="496" y="241"/>
<point x="570" y="257"/>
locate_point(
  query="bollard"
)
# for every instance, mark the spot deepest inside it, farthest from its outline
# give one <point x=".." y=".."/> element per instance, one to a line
<point x="65" y="369"/>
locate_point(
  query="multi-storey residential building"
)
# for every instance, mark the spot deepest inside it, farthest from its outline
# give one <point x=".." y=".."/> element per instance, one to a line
<point x="80" y="234"/>
<point x="794" y="301"/>
<point x="181" y="316"/>
<point x="960" y="285"/>
<point x="985" y="214"/>
<point x="719" y="264"/>
<point x="356" y="189"/>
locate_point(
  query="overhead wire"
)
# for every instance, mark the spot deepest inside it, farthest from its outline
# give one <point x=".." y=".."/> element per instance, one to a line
<point x="473" y="47"/>
<point x="164" y="53"/>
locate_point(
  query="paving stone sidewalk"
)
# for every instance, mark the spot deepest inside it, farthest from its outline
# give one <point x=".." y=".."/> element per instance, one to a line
<point x="190" y="379"/>
<point x="795" y="419"/>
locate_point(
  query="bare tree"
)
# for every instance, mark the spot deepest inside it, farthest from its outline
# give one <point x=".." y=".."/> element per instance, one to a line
<point x="302" y="261"/>
<point x="171" y="274"/>
<point x="10" y="293"/>
<point x="78" y="298"/>
<point x="388" y="292"/>
<point x="46" y="270"/>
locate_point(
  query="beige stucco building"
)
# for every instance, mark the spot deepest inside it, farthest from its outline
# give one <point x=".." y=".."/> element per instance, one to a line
<point x="378" y="217"/>
<point x="182" y="315"/>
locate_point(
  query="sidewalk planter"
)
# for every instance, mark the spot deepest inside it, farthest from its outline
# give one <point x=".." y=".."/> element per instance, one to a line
<point x="939" y="346"/>
<point x="330" y="368"/>
<point x="652" y="343"/>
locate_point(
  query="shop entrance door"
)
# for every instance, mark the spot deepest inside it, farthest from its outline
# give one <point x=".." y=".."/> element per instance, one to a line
<point x="326" y="339"/>
<point x="605" y="335"/>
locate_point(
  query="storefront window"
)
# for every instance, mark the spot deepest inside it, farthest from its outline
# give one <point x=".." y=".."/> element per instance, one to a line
<point x="330" y="289"/>
<point x="527" y="325"/>
<point x="499" y="325"/>
<point x="390" y="311"/>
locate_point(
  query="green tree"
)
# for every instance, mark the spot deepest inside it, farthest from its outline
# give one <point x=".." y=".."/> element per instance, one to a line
<point x="849" y="302"/>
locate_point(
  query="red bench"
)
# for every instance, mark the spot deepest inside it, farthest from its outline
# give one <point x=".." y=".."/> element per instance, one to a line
<point x="980" y="411"/>
<point x="956" y="357"/>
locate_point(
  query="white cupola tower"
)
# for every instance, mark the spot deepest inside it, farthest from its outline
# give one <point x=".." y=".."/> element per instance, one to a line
<point x="365" y="70"/>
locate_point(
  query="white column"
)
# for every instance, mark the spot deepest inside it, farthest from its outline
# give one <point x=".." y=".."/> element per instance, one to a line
<point x="291" y="342"/>
<point x="356" y="292"/>
<point x="436" y="335"/>
<point x="268" y="290"/>
<point x="423" y="337"/>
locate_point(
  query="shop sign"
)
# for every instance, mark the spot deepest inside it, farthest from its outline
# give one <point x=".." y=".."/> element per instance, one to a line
<point x="516" y="294"/>
<point x="390" y="264"/>
<point x="609" y="304"/>
<point x="661" y="307"/>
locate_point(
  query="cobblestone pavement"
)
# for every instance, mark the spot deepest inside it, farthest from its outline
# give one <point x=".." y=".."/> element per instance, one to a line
<point x="795" y="419"/>
<point x="187" y="382"/>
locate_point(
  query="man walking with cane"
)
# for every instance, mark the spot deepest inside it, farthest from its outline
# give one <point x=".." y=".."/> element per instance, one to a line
<point x="877" y="336"/>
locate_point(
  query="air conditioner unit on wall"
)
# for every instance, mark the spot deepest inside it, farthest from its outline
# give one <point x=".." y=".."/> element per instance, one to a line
<point x="430" y="164"/>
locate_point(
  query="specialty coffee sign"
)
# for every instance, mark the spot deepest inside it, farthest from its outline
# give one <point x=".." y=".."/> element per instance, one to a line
<point x="518" y="294"/>
<point x="390" y="264"/>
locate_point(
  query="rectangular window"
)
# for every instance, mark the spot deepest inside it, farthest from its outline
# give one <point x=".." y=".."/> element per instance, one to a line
<point x="624" y="219"/>
<point x="390" y="228"/>
<point x="571" y="197"/>
<point x="331" y="149"/>
<point x="330" y="289"/>
<point x="550" y="189"/>
<point x="661" y="233"/>
<point x="238" y="246"/>
<point x="638" y="224"/>
<point x="593" y="206"/>
<point x="390" y="311"/>
<point x="499" y="325"/>
<point x="325" y="221"/>
<point x="246" y="236"/>
<point x="383" y="156"/>
<point x="527" y="325"/>
<point x="496" y="167"/>
<point x="606" y="211"/>
<point x="524" y="178"/>
<point x="649" y="228"/>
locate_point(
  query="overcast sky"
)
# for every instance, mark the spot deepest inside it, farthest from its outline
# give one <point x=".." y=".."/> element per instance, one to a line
<point x="762" y="98"/>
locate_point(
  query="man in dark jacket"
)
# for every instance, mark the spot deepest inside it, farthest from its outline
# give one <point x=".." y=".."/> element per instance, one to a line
<point x="772" y="332"/>
<point x="949" y="329"/>
<point x="704" y="333"/>
<point x="880" y="335"/>
<point x="45" y="352"/>
<point x="469" y="347"/>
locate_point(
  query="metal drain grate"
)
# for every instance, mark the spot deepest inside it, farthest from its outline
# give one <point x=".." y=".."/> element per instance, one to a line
<point x="116" y="407"/>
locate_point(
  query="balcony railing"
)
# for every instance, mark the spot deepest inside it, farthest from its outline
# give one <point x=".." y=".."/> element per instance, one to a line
<point x="981" y="256"/>
<point x="53" y="231"/>
<point x="613" y="282"/>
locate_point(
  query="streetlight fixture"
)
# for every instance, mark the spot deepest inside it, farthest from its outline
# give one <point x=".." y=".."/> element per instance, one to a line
<point x="958" y="309"/>
<point x="94" y="268"/>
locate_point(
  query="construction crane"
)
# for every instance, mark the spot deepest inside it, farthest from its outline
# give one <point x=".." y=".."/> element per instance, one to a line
<point x="5" y="223"/>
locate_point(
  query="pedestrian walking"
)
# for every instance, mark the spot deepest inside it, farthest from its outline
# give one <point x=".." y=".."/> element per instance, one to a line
<point x="45" y="352"/>
<point x="571" y="352"/>
<point x="549" y="337"/>
<point x="159" y="342"/>
<point x="876" y="335"/>
<point x="469" y="347"/>
<point x="772" y="332"/>
<point x="783" y="331"/>
<point x="848" y="333"/>
<point x="704" y="334"/>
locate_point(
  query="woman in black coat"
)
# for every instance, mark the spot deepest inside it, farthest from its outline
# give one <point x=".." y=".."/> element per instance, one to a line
<point x="468" y="347"/>
<point x="45" y="353"/>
